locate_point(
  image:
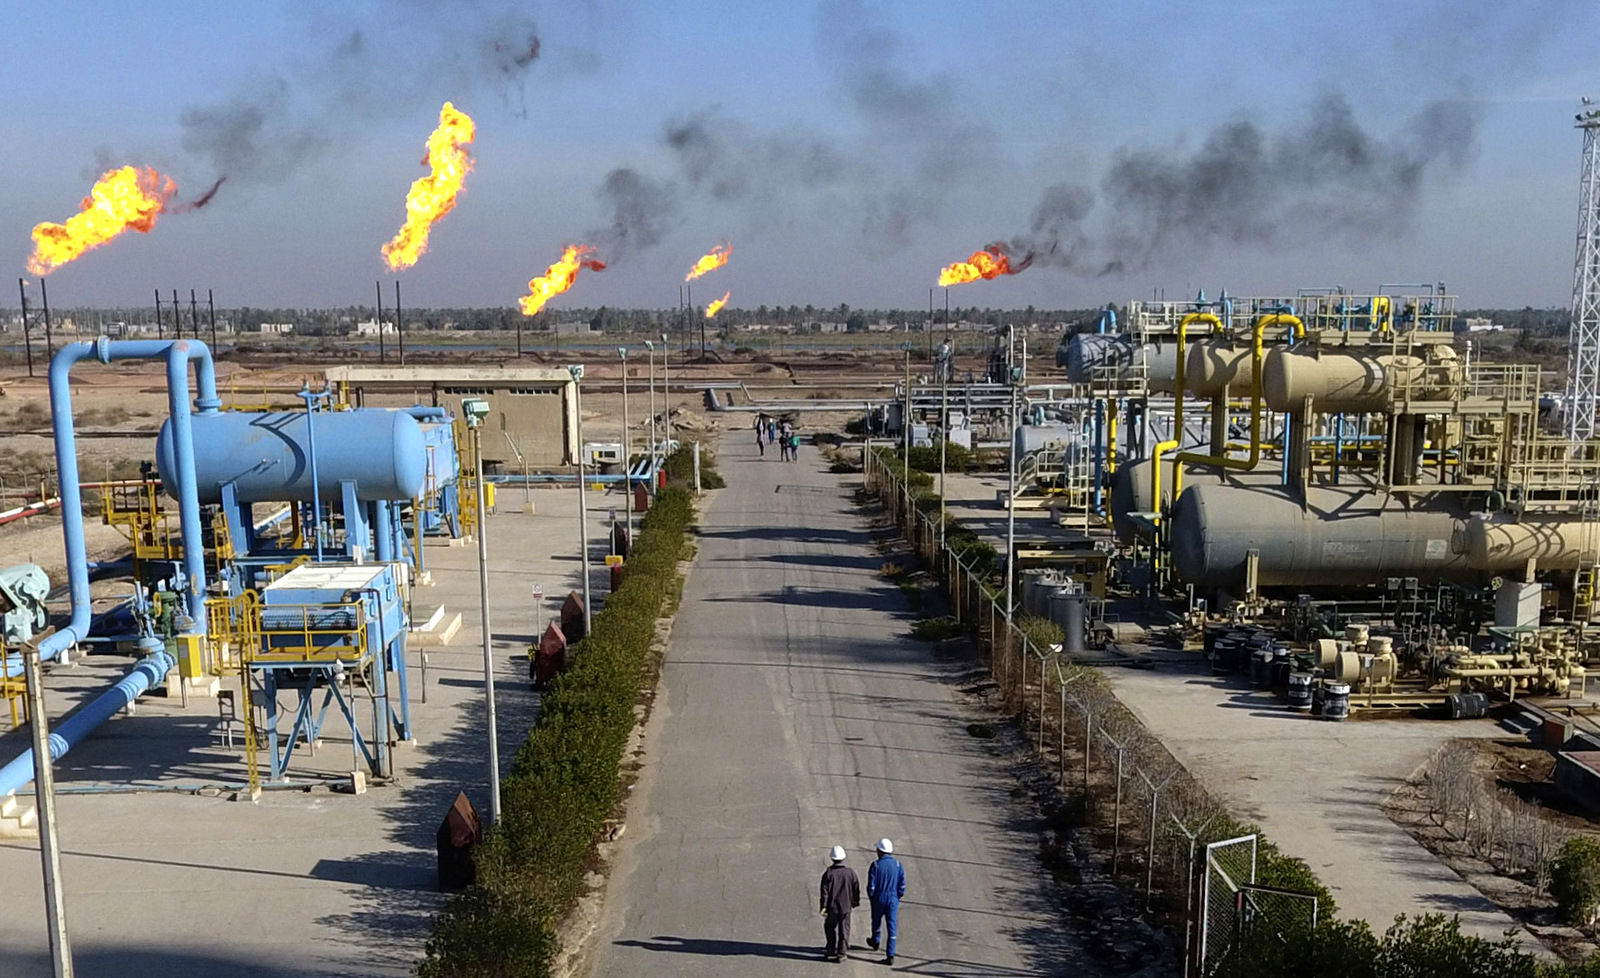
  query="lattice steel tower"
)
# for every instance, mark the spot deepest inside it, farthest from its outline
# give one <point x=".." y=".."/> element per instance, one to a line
<point x="1583" y="351"/>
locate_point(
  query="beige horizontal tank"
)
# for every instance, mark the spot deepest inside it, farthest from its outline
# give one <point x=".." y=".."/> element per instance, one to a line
<point x="1211" y="365"/>
<point x="1352" y="382"/>
<point x="1507" y="547"/>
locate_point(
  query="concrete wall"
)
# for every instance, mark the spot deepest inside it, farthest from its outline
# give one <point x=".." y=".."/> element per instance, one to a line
<point x="530" y="406"/>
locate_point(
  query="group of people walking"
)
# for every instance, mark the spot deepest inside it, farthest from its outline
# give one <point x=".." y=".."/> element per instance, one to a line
<point x="781" y="434"/>
<point x="841" y="894"/>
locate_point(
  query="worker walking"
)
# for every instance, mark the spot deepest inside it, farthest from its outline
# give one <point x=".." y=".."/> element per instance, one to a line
<point x="886" y="884"/>
<point x="841" y="893"/>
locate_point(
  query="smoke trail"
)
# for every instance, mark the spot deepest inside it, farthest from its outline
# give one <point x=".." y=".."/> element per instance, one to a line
<point x="642" y="212"/>
<point x="1328" y="178"/>
<point x="267" y="130"/>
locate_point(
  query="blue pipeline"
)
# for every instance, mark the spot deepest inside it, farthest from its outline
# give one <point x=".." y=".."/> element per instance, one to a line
<point x="177" y="353"/>
<point x="150" y="670"/>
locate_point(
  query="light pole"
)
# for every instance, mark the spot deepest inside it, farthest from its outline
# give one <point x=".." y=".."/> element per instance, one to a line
<point x="650" y="353"/>
<point x="1011" y="480"/>
<point x="475" y="410"/>
<point x="666" y="396"/>
<point x="944" y="426"/>
<point x="576" y="370"/>
<point x="627" y="456"/>
<point x="55" y="904"/>
<point x="905" y="430"/>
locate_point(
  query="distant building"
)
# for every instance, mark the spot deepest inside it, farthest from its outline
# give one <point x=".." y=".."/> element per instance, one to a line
<point x="1483" y="325"/>
<point x="277" y="329"/>
<point x="570" y="328"/>
<point x="370" y="328"/>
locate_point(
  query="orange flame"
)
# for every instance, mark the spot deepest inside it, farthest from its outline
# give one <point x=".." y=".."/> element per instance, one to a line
<point x="121" y="199"/>
<point x="710" y="262"/>
<point x="716" y="305"/>
<point x="433" y="196"/>
<point x="991" y="262"/>
<point x="559" y="277"/>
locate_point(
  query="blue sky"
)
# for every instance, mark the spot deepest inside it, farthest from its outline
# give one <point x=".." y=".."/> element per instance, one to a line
<point x="859" y="145"/>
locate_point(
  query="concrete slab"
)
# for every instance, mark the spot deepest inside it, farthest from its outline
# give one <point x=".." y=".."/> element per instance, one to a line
<point x="305" y="882"/>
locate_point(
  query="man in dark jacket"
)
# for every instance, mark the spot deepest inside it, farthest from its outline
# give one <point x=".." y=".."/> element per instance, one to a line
<point x="886" y="884"/>
<point x="841" y="893"/>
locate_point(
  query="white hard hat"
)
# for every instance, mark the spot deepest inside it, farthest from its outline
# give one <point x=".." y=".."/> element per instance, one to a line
<point x="884" y="845"/>
<point x="836" y="854"/>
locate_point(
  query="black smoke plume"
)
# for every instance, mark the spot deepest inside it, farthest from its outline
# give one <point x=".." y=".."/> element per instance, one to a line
<point x="1328" y="178"/>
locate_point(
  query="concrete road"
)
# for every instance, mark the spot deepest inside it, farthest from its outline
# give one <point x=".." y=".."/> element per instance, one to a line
<point x="798" y="714"/>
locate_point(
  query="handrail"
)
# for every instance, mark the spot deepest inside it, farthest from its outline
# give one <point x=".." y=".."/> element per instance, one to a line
<point x="1225" y="461"/>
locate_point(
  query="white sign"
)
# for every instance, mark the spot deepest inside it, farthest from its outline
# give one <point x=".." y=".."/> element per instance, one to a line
<point x="538" y="590"/>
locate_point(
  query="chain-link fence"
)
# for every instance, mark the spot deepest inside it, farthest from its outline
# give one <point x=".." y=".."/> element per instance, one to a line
<point x="1155" y="819"/>
<point x="1230" y="867"/>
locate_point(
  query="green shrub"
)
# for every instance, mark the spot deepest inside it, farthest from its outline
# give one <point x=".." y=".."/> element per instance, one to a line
<point x="926" y="459"/>
<point x="936" y="629"/>
<point x="1575" y="881"/>
<point x="1042" y="633"/>
<point x="564" y="780"/>
<point x="679" y="467"/>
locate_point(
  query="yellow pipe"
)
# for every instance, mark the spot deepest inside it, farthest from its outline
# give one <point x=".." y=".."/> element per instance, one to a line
<point x="1256" y="355"/>
<point x="1111" y="436"/>
<point x="1177" y="412"/>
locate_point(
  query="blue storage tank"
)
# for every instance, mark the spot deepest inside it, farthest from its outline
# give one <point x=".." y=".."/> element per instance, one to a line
<point x="264" y="455"/>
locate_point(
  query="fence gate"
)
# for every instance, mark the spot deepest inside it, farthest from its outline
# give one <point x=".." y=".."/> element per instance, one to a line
<point x="1230" y="868"/>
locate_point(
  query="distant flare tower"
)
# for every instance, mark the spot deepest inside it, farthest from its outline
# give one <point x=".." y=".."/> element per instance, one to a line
<point x="1583" y="353"/>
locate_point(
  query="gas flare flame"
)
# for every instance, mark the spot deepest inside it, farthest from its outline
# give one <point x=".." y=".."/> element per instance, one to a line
<point x="991" y="262"/>
<point x="433" y="196"/>
<point x="710" y="262"/>
<point x="121" y="199"/>
<point x="717" y="304"/>
<point x="559" y="277"/>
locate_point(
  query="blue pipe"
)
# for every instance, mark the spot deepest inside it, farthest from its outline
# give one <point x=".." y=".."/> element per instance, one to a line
<point x="423" y="412"/>
<point x="151" y="669"/>
<point x="177" y="354"/>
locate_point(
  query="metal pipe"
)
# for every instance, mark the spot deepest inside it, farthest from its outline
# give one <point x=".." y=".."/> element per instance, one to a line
<point x="177" y="354"/>
<point x="1177" y="412"/>
<point x="583" y="498"/>
<point x="1227" y="462"/>
<point x="151" y="670"/>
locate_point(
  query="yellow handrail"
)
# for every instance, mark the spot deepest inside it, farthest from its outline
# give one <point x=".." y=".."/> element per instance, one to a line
<point x="1224" y="461"/>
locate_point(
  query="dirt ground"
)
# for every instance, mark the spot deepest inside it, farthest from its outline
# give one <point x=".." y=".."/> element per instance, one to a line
<point x="1524" y="770"/>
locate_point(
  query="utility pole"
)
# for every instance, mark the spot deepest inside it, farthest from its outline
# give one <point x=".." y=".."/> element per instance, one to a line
<point x="1583" y="351"/>
<point x="650" y="352"/>
<point x="160" y="330"/>
<point x="211" y="311"/>
<point x="666" y="397"/>
<point x="379" y="320"/>
<point x="44" y="299"/>
<point x="44" y="786"/>
<point x="576" y="370"/>
<point x="27" y="337"/>
<point x="905" y="430"/>
<point x="399" y="326"/>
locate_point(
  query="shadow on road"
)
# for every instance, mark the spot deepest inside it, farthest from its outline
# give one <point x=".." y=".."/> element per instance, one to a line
<point x="725" y="949"/>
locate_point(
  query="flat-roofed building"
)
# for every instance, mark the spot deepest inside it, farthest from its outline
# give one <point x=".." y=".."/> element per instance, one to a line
<point x="531" y="409"/>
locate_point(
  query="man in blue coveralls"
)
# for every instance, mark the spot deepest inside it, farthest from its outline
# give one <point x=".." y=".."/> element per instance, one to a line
<point x="886" y="884"/>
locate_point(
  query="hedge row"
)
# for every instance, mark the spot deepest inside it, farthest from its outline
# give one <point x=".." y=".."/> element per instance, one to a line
<point x="564" y="781"/>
